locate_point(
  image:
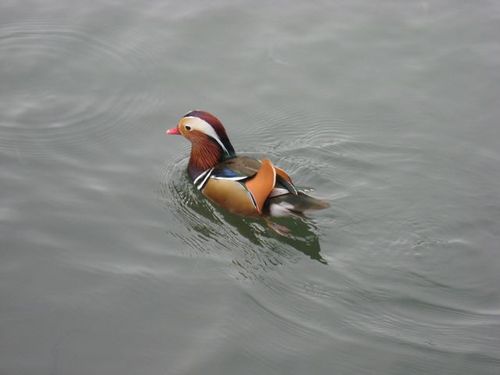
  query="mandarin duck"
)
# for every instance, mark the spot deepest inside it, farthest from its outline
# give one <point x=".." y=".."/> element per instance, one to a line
<point x="240" y="184"/>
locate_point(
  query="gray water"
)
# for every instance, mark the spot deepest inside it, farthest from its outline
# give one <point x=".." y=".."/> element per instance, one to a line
<point x="112" y="263"/>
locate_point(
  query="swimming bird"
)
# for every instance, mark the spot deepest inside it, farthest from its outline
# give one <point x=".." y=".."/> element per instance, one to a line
<point x="240" y="184"/>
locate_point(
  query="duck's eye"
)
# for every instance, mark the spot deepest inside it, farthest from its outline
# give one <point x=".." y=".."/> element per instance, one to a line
<point x="188" y="127"/>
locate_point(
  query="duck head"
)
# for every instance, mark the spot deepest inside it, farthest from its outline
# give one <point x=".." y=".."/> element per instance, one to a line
<point x="209" y="141"/>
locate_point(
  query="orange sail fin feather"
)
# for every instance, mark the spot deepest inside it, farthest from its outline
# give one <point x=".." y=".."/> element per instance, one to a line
<point x="261" y="185"/>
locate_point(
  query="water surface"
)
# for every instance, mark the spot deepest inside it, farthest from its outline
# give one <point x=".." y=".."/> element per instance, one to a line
<point x="112" y="263"/>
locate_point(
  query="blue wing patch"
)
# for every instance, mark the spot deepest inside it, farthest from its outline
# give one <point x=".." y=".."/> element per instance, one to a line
<point x="237" y="169"/>
<point x="226" y="173"/>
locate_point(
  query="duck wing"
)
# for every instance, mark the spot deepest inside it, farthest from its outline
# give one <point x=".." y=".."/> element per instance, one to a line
<point x="269" y="186"/>
<point x="237" y="168"/>
<point x="258" y="177"/>
<point x="242" y="167"/>
<point x="261" y="178"/>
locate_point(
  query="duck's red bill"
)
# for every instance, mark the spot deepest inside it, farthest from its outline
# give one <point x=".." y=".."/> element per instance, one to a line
<point x="173" y="131"/>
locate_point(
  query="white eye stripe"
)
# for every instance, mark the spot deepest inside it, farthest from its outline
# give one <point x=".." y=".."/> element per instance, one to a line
<point x="197" y="123"/>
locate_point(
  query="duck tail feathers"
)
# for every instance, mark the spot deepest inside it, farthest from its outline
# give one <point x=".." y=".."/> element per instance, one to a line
<point x="294" y="205"/>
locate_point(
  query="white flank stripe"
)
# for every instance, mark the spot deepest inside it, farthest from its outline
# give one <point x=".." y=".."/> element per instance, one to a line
<point x="201" y="175"/>
<point x="202" y="183"/>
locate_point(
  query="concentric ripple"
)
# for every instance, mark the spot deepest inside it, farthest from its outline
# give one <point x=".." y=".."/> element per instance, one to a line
<point x="60" y="84"/>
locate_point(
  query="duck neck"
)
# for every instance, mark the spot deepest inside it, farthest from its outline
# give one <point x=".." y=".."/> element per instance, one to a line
<point x="204" y="155"/>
